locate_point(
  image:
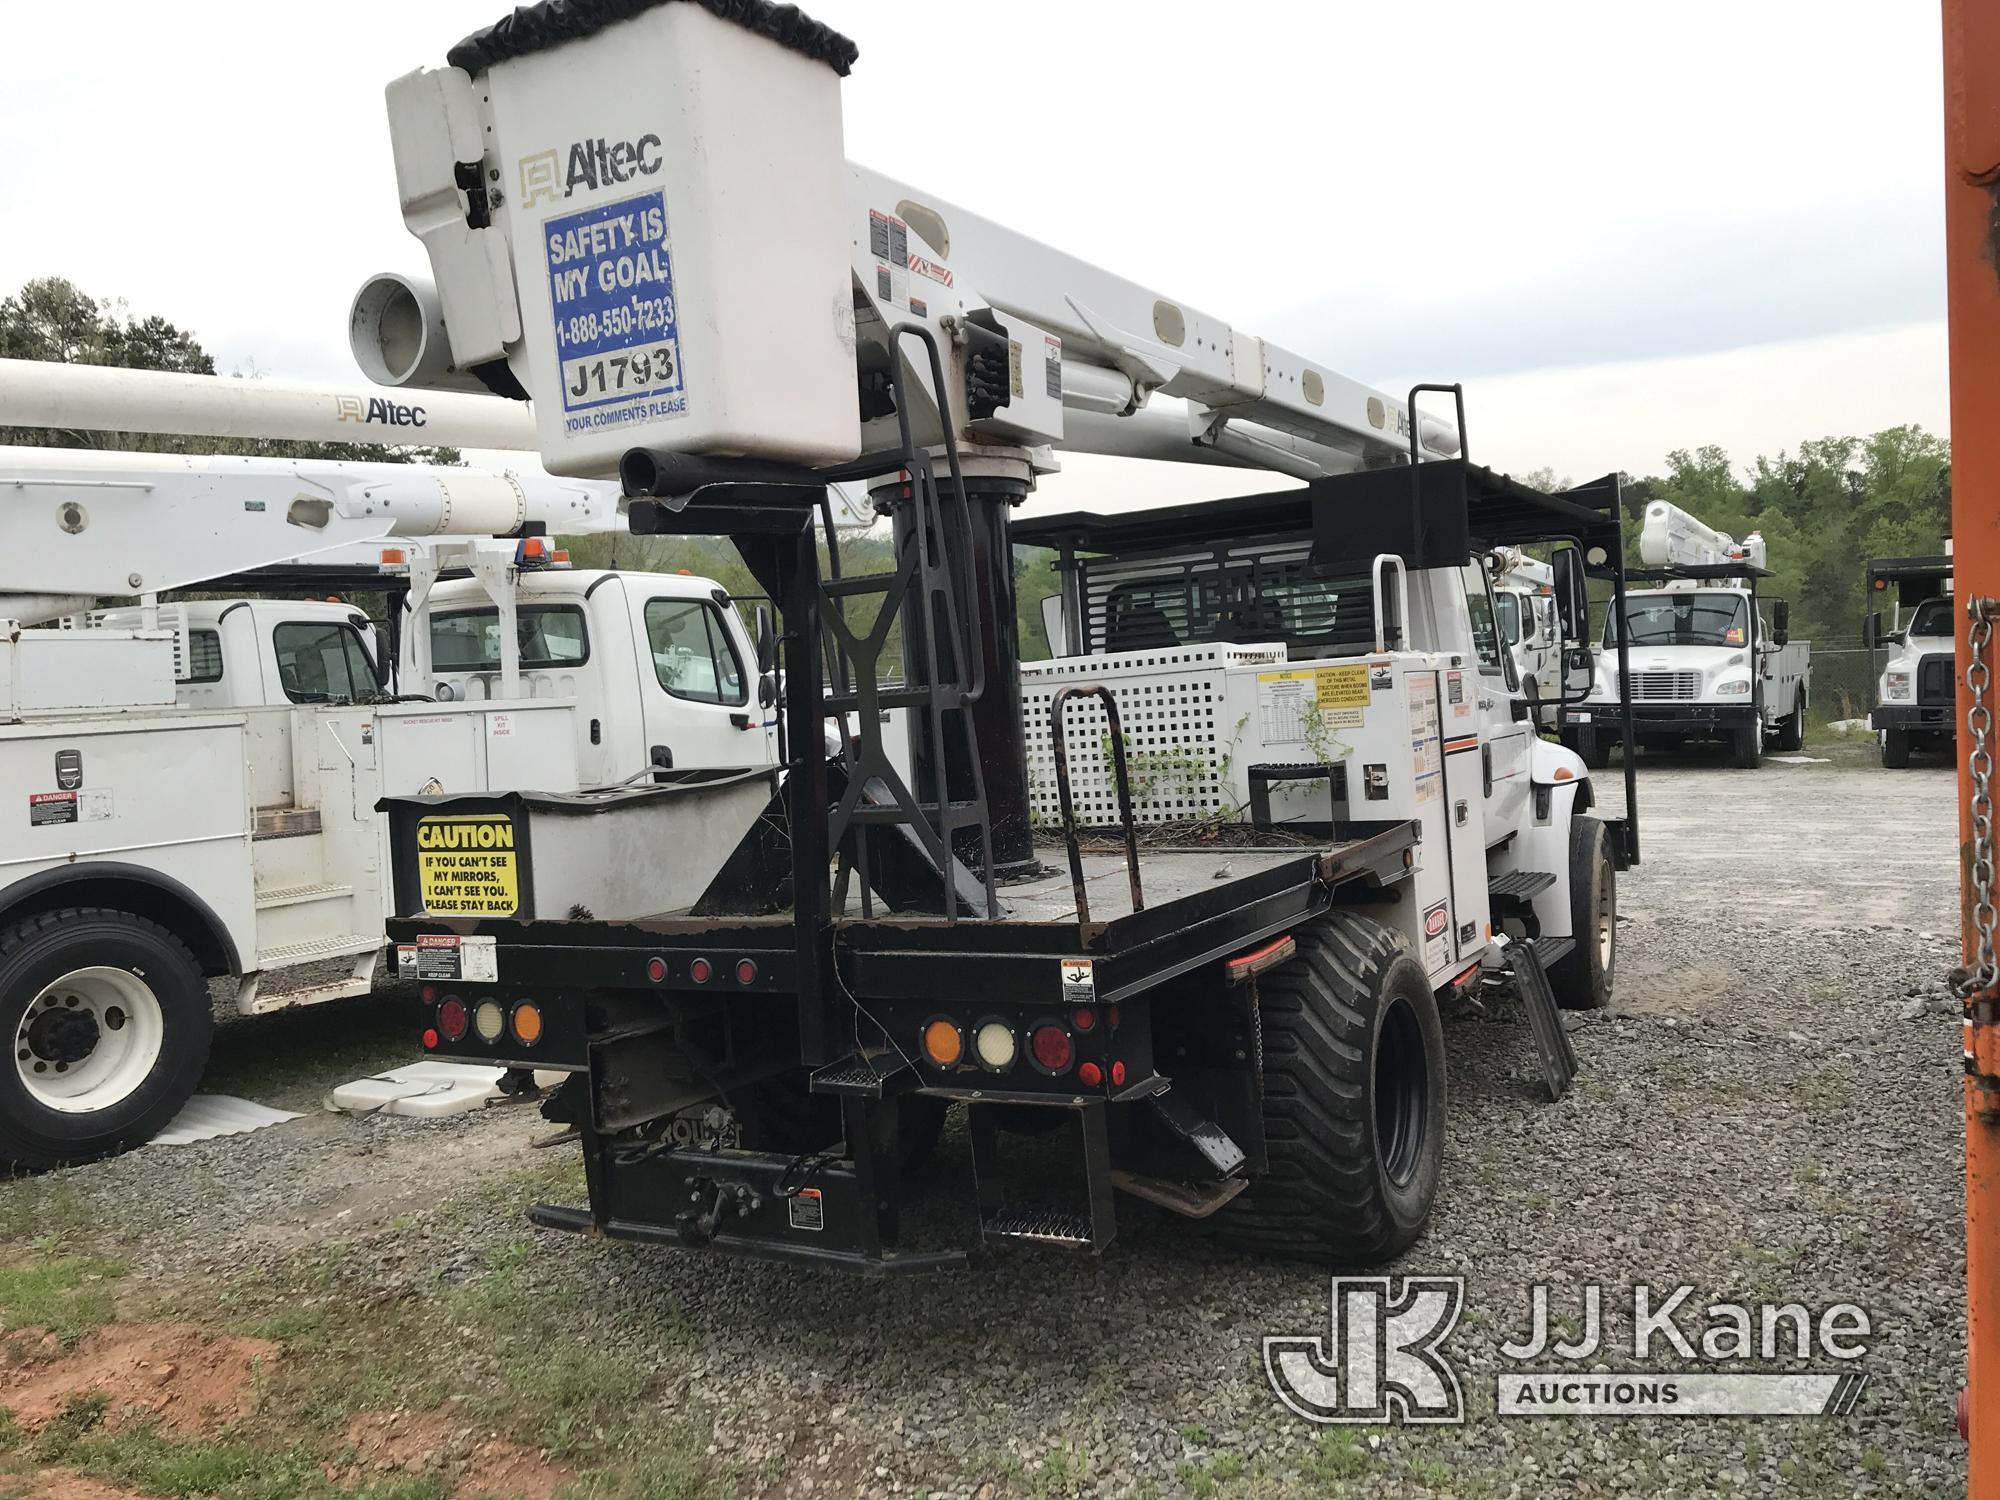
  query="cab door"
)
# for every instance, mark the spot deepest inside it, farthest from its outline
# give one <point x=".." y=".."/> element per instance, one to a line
<point x="1481" y="699"/>
<point x="698" y="684"/>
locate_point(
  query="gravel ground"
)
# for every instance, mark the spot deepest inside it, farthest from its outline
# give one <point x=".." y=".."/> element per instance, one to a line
<point x="1770" y="1112"/>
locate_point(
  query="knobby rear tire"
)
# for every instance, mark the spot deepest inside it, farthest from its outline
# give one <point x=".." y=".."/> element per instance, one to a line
<point x="1354" y="1100"/>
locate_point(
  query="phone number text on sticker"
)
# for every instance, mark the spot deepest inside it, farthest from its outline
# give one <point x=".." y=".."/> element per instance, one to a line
<point x="611" y="295"/>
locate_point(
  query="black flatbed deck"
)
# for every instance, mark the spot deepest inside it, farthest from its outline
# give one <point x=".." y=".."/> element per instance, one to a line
<point x="1199" y="904"/>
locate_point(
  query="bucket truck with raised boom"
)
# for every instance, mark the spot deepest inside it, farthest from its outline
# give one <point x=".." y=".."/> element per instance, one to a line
<point x="829" y="957"/>
<point x="1707" y="660"/>
<point x="198" y="781"/>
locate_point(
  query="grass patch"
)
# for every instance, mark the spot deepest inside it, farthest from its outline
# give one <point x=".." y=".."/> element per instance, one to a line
<point x="44" y="1213"/>
<point x="503" y="1341"/>
<point x="1336" y="1458"/>
<point x="225" y="1468"/>
<point x="67" y="1294"/>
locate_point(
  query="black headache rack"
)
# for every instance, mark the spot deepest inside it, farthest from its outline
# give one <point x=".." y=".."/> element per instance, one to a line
<point x="1439" y="515"/>
<point x="1916" y="578"/>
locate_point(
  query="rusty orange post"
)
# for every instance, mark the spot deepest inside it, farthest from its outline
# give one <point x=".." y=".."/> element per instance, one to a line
<point x="1972" y="230"/>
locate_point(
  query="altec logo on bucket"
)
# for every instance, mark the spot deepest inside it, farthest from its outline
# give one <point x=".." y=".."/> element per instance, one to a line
<point x="375" y="409"/>
<point x="549" y="176"/>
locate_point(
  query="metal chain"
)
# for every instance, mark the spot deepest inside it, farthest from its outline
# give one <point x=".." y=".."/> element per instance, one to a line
<point x="1984" y="972"/>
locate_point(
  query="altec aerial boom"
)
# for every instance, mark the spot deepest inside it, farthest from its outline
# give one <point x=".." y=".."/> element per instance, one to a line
<point x="641" y="218"/>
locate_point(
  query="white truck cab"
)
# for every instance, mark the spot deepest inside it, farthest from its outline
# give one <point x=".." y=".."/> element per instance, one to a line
<point x="662" y="669"/>
<point x="1916" y="704"/>
<point x="257" y="653"/>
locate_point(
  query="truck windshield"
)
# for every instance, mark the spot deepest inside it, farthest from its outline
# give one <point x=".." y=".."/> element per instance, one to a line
<point x="1933" y="617"/>
<point x="1684" y="619"/>
<point x="550" y="635"/>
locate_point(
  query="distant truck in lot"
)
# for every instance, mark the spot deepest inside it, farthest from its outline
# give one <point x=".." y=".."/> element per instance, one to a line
<point x="1706" y="662"/>
<point x="1524" y="601"/>
<point x="198" y="782"/>
<point x="1916" y="692"/>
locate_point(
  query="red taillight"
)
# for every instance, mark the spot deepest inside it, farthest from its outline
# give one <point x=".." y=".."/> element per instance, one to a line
<point x="746" y="971"/>
<point x="453" y="1019"/>
<point x="1090" y="1075"/>
<point x="1083" y="1018"/>
<point x="430" y="1039"/>
<point x="1118" y="1075"/>
<point x="1111" y="1016"/>
<point x="700" y="971"/>
<point x="656" y="970"/>
<point x="1051" y="1049"/>
<point x="429" y="992"/>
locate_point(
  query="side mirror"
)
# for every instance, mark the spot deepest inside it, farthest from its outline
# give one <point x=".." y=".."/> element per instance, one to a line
<point x="1871" y="631"/>
<point x="1579" y="672"/>
<point x="1781" y="622"/>
<point x="767" y="640"/>
<point x="385" y="655"/>
<point x="1054" y="627"/>
<point x="1572" y="600"/>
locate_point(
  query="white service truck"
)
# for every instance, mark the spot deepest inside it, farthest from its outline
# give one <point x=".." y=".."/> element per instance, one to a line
<point x="1524" y="602"/>
<point x="1707" y="661"/>
<point x="199" y="780"/>
<point x="1916" y="692"/>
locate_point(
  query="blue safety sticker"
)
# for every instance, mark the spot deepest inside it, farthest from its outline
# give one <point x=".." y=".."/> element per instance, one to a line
<point x="611" y="291"/>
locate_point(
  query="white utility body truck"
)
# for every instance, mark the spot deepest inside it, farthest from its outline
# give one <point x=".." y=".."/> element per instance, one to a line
<point x="835" y="958"/>
<point x="200" y="779"/>
<point x="1706" y="661"/>
<point x="1916" y="692"/>
<point x="1524" y="596"/>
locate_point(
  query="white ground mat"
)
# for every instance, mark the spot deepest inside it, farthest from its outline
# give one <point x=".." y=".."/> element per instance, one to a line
<point x="207" y="1116"/>
<point x="426" y="1090"/>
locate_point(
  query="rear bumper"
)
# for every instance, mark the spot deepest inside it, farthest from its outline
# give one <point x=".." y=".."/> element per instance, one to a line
<point x="1925" y="718"/>
<point x="1690" y="720"/>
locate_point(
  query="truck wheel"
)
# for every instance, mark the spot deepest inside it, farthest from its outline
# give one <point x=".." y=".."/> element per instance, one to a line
<point x="1792" y="732"/>
<point x="1595" y="750"/>
<point x="110" y="1020"/>
<point x="1582" y="977"/>
<point x="1746" y="746"/>
<point x="1354" y="1091"/>
<point x="1895" y="748"/>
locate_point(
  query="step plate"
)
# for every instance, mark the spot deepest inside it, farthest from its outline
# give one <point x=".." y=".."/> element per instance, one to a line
<point x="1040" y="1226"/>
<point x="1519" y="885"/>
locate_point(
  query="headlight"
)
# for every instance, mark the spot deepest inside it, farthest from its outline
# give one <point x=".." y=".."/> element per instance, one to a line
<point x="1899" y="684"/>
<point x="1734" y="689"/>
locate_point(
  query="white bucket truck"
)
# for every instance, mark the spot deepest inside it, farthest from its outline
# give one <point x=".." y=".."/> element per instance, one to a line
<point x="198" y="782"/>
<point x="1707" y="662"/>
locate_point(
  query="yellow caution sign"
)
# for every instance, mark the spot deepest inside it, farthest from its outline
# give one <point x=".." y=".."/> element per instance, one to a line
<point x="1341" y="687"/>
<point x="466" y="866"/>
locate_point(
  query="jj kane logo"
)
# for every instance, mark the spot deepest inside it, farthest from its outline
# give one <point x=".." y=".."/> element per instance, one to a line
<point x="1383" y="1359"/>
<point x="376" y="410"/>
<point x="549" y="176"/>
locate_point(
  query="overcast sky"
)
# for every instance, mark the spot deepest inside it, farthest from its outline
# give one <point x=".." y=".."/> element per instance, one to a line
<point x="1627" y="229"/>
